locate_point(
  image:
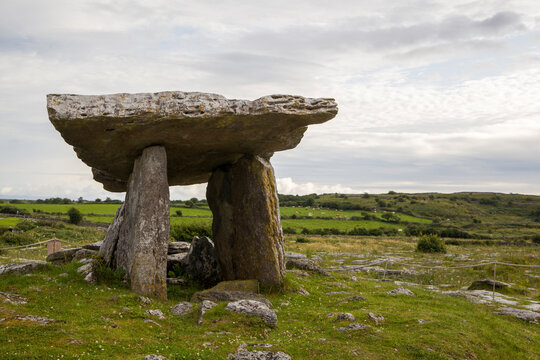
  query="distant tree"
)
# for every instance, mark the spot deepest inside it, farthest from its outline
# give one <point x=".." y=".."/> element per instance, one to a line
<point x="390" y="217"/>
<point x="80" y="199"/>
<point x="98" y="200"/>
<point x="190" y="204"/>
<point x="392" y="192"/>
<point x="366" y="195"/>
<point x="75" y="216"/>
<point x="430" y="244"/>
<point x="194" y="200"/>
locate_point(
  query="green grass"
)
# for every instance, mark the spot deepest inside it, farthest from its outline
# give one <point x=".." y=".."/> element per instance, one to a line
<point x="9" y="221"/>
<point x="341" y="225"/>
<point x="107" y="321"/>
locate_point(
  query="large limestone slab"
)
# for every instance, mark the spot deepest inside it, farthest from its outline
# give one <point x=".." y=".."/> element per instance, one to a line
<point x="199" y="131"/>
<point x="246" y="224"/>
<point x="138" y="238"/>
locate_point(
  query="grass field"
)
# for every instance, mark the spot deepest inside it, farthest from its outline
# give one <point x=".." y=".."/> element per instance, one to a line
<point x="107" y="321"/>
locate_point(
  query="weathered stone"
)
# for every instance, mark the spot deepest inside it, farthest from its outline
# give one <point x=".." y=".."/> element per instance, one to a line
<point x="182" y="309"/>
<point x="258" y="355"/>
<point x="401" y="291"/>
<point x="21" y="268"/>
<point x="252" y="307"/>
<point x="232" y="291"/>
<point x="39" y="319"/>
<point x="345" y="316"/>
<point x="176" y="247"/>
<point x="176" y="281"/>
<point x="84" y="254"/>
<point x="93" y="246"/>
<point x="352" y="327"/>
<point x="246" y="224"/>
<point x="200" y="131"/>
<point x="377" y="319"/>
<point x="62" y="256"/>
<point x="155" y="357"/>
<point x="487" y="284"/>
<point x="526" y="315"/>
<point x="156" y="312"/>
<point x="202" y="263"/>
<point x="306" y="264"/>
<point x="138" y="238"/>
<point x="144" y="300"/>
<point x="13" y="298"/>
<point x="205" y="306"/>
<point x="175" y="261"/>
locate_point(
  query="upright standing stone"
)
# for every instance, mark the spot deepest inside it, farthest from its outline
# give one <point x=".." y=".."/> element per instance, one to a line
<point x="246" y="225"/>
<point x="138" y="237"/>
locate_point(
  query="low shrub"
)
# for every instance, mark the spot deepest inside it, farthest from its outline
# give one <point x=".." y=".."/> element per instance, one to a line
<point x="15" y="239"/>
<point x="302" y="239"/>
<point x="8" y="209"/>
<point x="186" y="232"/>
<point x="289" y="230"/>
<point x="75" y="216"/>
<point x="25" y="225"/>
<point x="430" y="243"/>
<point x="536" y="239"/>
<point x="178" y="212"/>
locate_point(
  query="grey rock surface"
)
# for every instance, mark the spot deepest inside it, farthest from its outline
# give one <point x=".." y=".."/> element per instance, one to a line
<point x="345" y="316"/>
<point x="377" y="319"/>
<point x="176" y="281"/>
<point x="252" y="307"/>
<point x="62" y="256"/>
<point x="246" y="223"/>
<point x="156" y="312"/>
<point x="258" y="355"/>
<point x="155" y="357"/>
<point x="39" y="319"/>
<point x="21" y="268"/>
<point x="13" y="298"/>
<point x="176" y="247"/>
<point x="352" y="327"/>
<point x="138" y="238"/>
<point x="401" y="291"/>
<point x="205" y="306"/>
<point x="200" y="131"/>
<point x="175" y="261"/>
<point x="306" y="264"/>
<point x="202" y="262"/>
<point x="488" y="283"/>
<point x="526" y="315"/>
<point x="93" y="246"/>
<point x="182" y="309"/>
<point x="84" y="254"/>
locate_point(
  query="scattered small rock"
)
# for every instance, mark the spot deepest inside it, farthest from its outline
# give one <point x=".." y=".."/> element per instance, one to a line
<point x="144" y="300"/>
<point x="252" y="307"/>
<point x="150" y="321"/>
<point x="155" y="357"/>
<point x="377" y="319"/>
<point x="258" y="355"/>
<point x="285" y="303"/>
<point x="182" y="309"/>
<point x="261" y="345"/>
<point x="75" y="341"/>
<point x="422" y="321"/>
<point x="401" y="291"/>
<point x="63" y="275"/>
<point x="339" y="293"/>
<point x="205" y="306"/>
<point x="306" y="264"/>
<point x="355" y="298"/>
<point x="352" y="327"/>
<point x="298" y="272"/>
<point x="13" y="298"/>
<point x="339" y="285"/>
<point x="39" y="319"/>
<point x="303" y="292"/>
<point x="232" y="291"/>
<point x="156" y="312"/>
<point x="345" y="316"/>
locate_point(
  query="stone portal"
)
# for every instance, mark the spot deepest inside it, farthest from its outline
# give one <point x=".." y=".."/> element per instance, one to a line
<point x="142" y="143"/>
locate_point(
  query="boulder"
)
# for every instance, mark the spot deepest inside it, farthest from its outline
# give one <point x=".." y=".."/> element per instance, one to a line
<point x="377" y="319"/>
<point x="246" y="223"/>
<point x="232" y="291"/>
<point x="401" y="291"/>
<point x="525" y="315"/>
<point x="488" y="284"/>
<point x="202" y="264"/>
<point x="252" y="307"/>
<point x="62" y="256"/>
<point x="200" y="131"/>
<point x="345" y="316"/>
<point x="21" y="268"/>
<point x="176" y="247"/>
<point x="176" y="281"/>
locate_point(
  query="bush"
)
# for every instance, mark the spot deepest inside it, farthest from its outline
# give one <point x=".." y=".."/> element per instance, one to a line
<point x="8" y="209"/>
<point x="25" y="225"/>
<point x="430" y="244"/>
<point x="15" y="239"/>
<point x="536" y="239"/>
<point x="289" y="230"/>
<point x="179" y="212"/>
<point x="186" y="232"/>
<point x="301" y="239"/>
<point x="75" y="216"/>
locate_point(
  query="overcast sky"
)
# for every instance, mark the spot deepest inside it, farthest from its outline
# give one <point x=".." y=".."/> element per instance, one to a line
<point x="433" y="95"/>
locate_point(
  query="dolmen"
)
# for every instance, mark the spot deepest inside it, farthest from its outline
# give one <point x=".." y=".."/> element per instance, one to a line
<point x="143" y="143"/>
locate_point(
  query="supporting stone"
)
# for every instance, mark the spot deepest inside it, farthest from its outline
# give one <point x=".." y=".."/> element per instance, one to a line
<point x="138" y="237"/>
<point x="246" y="225"/>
